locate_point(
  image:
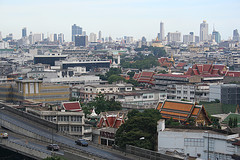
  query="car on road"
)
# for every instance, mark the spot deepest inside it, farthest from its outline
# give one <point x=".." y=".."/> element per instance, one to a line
<point x="53" y="147"/>
<point x="81" y="142"/>
<point x="4" y="135"/>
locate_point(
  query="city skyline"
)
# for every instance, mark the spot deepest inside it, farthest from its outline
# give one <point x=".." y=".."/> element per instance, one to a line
<point x="118" y="19"/>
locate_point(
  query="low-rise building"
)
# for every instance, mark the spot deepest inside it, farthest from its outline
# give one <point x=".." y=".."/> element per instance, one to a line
<point x="201" y="143"/>
<point x="70" y="118"/>
<point x="88" y="92"/>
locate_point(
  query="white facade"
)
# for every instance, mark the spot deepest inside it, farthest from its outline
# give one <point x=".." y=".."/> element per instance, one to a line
<point x="92" y="37"/>
<point x="179" y="92"/>
<point x="204" y="31"/>
<point x="197" y="143"/>
<point x="37" y="37"/>
<point x="174" y="37"/>
<point x="4" y="45"/>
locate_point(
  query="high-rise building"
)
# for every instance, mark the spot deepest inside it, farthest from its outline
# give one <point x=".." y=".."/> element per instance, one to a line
<point x="99" y="35"/>
<point x="216" y="36"/>
<point x="55" y="37"/>
<point x="203" y="31"/>
<point x="61" y="38"/>
<point x="37" y="37"/>
<point x="236" y="35"/>
<point x="0" y="36"/>
<point x="161" y="35"/>
<point x="92" y="37"/>
<point x="24" y="32"/>
<point x="189" y="38"/>
<point x="174" y="36"/>
<point x="81" y="41"/>
<point x="76" y="30"/>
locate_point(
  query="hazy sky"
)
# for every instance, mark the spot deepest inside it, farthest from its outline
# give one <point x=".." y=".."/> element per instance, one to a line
<point x="118" y="18"/>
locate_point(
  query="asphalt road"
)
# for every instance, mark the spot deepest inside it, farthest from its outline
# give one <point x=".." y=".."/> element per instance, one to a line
<point x="61" y="139"/>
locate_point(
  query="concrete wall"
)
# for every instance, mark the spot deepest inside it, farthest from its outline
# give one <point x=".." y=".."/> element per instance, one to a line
<point x="25" y="150"/>
<point x="29" y="116"/>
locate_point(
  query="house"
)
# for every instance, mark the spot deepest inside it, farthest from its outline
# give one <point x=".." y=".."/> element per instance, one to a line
<point x="182" y="111"/>
<point x="107" y="127"/>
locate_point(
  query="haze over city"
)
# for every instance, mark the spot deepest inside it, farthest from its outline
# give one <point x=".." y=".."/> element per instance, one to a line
<point x="119" y="18"/>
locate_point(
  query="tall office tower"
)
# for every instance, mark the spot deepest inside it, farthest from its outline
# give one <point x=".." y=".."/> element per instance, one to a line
<point x="55" y="37"/>
<point x="236" y="35"/>
<point x="92" y="37"/>
<point x="81" y="41"/>
<point x="30" y="38"/>
<point x="203" y="32"/>
<point x="24" y="32"/>
<point x="161" y="37"/>
<point x="76" y="30"/>
<point x="61" y="38"/>
<point x="174" y="36"/>
<point x="0" y="36"/>
<point x="216" y="36"/>
<point x="99" y="35"/>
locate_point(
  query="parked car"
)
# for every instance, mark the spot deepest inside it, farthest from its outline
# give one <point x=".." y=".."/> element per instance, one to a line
<point x="4" y="135"/>
<point x="82" y="142"/>
<point x="53" y="147"/>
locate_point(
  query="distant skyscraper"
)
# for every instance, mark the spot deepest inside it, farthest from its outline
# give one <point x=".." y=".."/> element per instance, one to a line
<point x="203" y="31"/>
<point x="92" y="37"/>
<point x="174" y="36"/>
<point x="0" y="36"/>
<point x="99" y="35"/>
<point x="216" y="36"/>
<point x="189" y="38"/>
<point x="81" y="41"/>
<point x="24" y="32"/>
<point x="236" y="35"/>
<point x="76" y="30"/>
<point x="61" y="38"/>
<point x="55" y="37"/>
<point x="161" y="35"/>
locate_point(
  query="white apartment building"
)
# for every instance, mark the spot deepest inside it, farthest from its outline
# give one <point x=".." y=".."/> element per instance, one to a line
<point x="197" y="143"/>
<point x="88" y="92"/>
<point x="181" y="91"/>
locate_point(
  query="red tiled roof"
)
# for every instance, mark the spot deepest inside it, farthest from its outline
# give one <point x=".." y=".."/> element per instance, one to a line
<point x="233" y="73"/>
<point x="209" y="69"/>
<point x="147" y="74"/>
<point x="181" y="64"/>
<point x="174" y="75"/>
<point x="113" y="121"/>
<point x="72" y="106"/>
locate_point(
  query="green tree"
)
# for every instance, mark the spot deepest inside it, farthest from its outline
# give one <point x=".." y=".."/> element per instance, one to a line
<point x="131" y="74"/>
<point x="230" y="122"/>
<point x="137" y="126"/>
<point x="102" y="105"/>
<point x="115" y="78"/>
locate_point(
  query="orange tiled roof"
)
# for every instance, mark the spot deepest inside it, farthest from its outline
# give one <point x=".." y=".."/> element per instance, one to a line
<point x="195" y="111"/>
<point x="174" y="114"/>
<point x="159" y="105"/>
<point x="178" y="106"/>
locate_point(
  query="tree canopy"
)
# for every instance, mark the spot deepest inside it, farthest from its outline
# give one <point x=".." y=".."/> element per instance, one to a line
<point x="139" y="130"/>
<point x="102" y="105"/>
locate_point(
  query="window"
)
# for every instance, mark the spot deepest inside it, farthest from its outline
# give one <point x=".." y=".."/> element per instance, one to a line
<point x="144" y="97"/>
<point x="194" y="142"/>
<point x="184" y="92"/>
<point x="150" y="96"/>
<point x="179" y="92"/>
